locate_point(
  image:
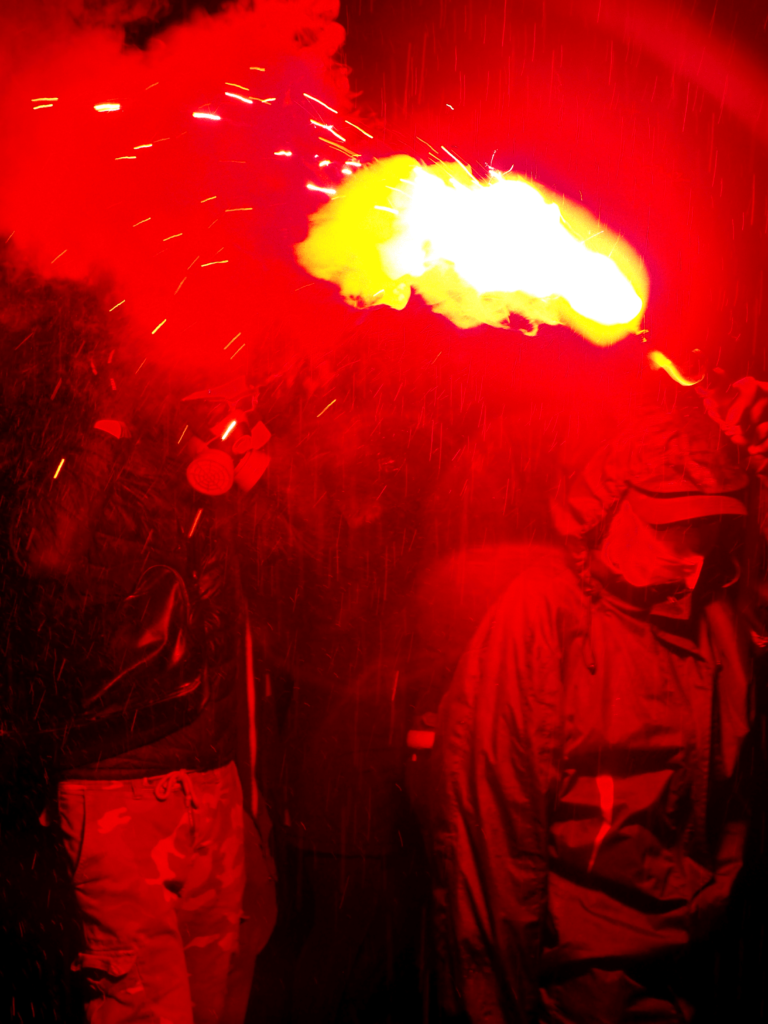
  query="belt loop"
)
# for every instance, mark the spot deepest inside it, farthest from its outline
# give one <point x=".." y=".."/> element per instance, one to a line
<point x="180" y="778"/>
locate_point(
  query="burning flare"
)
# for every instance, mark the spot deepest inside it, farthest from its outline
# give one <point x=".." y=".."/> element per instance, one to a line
<point x="661" y="362"/>
<point x="476" y="251"/>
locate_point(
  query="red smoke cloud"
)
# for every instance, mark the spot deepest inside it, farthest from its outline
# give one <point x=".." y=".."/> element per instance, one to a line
<point x="188" y="221"/>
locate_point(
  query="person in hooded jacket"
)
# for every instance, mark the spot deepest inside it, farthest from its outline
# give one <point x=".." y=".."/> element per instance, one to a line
<point x="590" y="820"/>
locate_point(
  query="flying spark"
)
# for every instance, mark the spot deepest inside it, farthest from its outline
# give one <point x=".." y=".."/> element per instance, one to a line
<point x="332" y="402"/>
<point x="328" y="128"/>
<point x="452" y="155"/>
<point x="193" y="527"/>
<point x="59" y="468"/>
<point x="316" y="100"/>
<point x="337" y="145"/>
<point x="243" y="99"/>
<point x="230" y="427"/>
<point x="206" y="117"/>
<point x="160" y="325"/>
<point x="106" y="108"/>
<point x="359" y="128"/>
<point x="319" y="188"/>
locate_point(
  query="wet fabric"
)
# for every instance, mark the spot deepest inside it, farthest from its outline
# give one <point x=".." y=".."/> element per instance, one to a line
<point x="587" y="814"/>
<point x="597" y="994"/>
<point x="158" y="872"/>
<point x="142" y="609"/>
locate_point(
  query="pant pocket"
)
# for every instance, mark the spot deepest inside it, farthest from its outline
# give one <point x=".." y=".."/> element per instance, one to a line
<point x="108" y="971"/>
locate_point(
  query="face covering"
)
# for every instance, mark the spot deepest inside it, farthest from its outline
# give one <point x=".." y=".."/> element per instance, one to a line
<point x="645" y="557"/>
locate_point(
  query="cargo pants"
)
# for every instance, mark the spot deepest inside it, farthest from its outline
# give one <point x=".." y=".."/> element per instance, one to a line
<point x="158" y="873"/>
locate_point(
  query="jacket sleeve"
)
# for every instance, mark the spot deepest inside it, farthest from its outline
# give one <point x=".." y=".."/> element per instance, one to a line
<point x="496" y="763"/>
<point x="55" y="527"/>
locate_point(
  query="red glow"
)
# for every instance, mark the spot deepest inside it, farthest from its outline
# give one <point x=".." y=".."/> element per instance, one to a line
<point x="140" y="200"/>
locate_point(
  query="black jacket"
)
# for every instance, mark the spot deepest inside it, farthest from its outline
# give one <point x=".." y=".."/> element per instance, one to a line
<point x="135" y="600"/>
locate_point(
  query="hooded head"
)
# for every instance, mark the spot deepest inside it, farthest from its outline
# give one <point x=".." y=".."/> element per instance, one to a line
<point x="653" y="499"/>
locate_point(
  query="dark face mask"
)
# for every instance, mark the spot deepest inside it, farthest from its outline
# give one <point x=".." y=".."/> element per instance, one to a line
<point x="648" y="556"/>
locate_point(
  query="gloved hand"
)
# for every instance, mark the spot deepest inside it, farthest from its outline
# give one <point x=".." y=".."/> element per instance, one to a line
<point x="742" y="412"/>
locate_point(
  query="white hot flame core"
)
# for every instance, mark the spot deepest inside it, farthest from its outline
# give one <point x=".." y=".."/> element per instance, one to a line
<point x="503" y="237"/>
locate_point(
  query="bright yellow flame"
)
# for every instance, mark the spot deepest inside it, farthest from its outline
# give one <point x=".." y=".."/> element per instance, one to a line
<point x="476" y="251"/>
<point x="661" y="362"/>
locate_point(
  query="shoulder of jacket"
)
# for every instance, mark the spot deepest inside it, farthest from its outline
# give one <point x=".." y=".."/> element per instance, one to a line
<point x="549" y="582"/>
